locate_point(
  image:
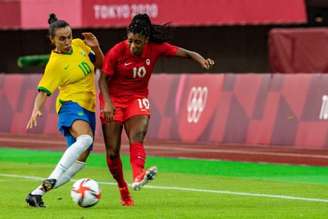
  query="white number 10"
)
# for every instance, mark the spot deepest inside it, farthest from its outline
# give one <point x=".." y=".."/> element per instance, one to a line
<point x="139" y="72"/>
<point x="143" y="103"/>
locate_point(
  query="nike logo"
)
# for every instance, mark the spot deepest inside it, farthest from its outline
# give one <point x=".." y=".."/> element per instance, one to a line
<point x="127" y="63"/>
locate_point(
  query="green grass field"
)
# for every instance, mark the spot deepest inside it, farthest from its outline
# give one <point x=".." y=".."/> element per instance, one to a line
<point x="184" y="188"/>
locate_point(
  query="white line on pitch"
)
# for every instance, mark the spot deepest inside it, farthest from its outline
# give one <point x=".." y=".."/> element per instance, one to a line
<point x="259" y="195"/>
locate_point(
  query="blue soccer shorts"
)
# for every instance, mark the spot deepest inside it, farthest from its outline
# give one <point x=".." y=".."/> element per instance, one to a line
<point x="70" y="112"/>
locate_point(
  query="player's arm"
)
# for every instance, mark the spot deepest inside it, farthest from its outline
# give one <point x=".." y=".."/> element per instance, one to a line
<point x="39" y="102"/>
<point x="204" y="63"/>
<point x="93" y="43"/>
<point x="109" y="108"/>
<point x="49" y="82"/>
<point x="107" y="72"/>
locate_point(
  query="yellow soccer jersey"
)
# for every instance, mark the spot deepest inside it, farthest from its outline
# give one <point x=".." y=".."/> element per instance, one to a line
<point x="73" y="75"/>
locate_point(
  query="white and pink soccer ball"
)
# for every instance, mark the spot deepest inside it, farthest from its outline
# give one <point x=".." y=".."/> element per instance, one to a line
<point x="86" y="192"/>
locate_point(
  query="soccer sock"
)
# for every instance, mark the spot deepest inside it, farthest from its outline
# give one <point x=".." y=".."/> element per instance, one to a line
<point x="75" y="168"/>
<point x="115" y="167"/>
<point x="71" y="154"/>
<point x="66" y="163"/>
<point x="137" y="158"/>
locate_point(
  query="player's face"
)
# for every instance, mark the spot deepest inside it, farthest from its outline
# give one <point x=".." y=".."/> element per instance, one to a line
<point x="136" y="43"/>
<point x="63" y="39"/>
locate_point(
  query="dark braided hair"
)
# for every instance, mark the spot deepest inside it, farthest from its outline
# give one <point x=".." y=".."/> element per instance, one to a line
<point x="54" y="23"/>
<point x="141" y="24"/>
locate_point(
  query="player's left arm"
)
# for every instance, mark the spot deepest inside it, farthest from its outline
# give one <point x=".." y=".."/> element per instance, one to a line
<point x="93" y="43"/>
<point x="204" y="63"/>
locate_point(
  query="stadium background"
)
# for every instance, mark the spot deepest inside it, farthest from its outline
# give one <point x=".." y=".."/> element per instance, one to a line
<point x="264" y="101"/>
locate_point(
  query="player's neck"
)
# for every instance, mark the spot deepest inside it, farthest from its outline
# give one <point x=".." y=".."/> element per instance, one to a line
<point x="63" y="52"/>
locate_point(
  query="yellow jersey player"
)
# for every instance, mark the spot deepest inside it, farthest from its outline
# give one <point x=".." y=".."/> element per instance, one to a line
<point x="70" y="70"/>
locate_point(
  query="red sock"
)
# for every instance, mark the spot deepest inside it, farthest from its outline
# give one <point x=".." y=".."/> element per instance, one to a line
<point x="137" y="158"/>
<point x="115" y="167"/>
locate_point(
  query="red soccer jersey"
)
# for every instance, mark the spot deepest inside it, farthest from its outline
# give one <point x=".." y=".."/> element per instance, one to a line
<point x="130" y="74"/>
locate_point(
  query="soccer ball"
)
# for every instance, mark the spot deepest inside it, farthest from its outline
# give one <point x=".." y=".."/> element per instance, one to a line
<point x="85" y="192"/>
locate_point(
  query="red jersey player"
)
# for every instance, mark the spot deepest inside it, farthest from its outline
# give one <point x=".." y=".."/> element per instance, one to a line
<point x="123" y="100"/>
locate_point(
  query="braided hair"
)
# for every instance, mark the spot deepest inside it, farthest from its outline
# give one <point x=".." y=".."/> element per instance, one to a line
<point x="141" y="24"/>
<point x="54" y="23"/>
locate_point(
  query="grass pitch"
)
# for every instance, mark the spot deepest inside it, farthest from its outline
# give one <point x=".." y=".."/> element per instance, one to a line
<point x="184" y="188"/>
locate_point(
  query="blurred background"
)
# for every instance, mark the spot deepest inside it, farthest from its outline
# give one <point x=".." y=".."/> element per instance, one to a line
<point x="235" y="34"/>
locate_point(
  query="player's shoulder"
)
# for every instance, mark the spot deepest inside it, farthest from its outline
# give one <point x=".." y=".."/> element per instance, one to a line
<point x="164" y="48"/>
<point x="78" y="42"/>
<point x="54" y="62"/>
<point x="159" y="45"/>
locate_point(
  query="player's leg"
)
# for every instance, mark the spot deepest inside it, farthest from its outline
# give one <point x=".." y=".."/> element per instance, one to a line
<point x="79" y="164"/>
<point x="78" y="126"/>
<point x="76" y="167"/>
<point x="136" y="124"/>
<point x="83" y="134"/>
<point x="112" y="137"/>
<point x="84" y="139"/>
<point x="136" y="129"/>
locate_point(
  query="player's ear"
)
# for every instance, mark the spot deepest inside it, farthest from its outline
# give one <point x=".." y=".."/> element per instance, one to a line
<point x="52" y="40"/>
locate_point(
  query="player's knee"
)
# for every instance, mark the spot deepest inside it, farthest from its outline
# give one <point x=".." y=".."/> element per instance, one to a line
<point x="113" y="156"/>
<point x="112" y="152"/>
<point x="137" y="136"/>
<point x="86" y="140"/>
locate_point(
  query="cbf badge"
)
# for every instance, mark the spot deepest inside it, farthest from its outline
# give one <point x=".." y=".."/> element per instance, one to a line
<point x="82" y="53"/>
<point x="147" y="61"/>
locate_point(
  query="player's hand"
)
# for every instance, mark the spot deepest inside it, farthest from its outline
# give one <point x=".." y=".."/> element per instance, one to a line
<point x="33" y="120"/>
<point x="109" y="111"/>
<point x="207" y="63"/>
<point x="90" y="39"/>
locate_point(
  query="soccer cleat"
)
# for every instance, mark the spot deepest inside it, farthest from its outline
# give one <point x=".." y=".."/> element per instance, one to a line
<point x="126" y="199"/>
<point x="48" y="184"/>
<point x="35" y="201"/>
<point x="144" y="177"/>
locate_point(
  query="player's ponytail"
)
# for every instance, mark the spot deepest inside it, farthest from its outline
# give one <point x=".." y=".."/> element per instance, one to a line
<point x="54" y="23"/>
<point x="141" y="24"/>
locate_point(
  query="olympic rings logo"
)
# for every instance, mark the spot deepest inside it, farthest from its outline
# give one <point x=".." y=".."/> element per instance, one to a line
<point x="196" y="103"/>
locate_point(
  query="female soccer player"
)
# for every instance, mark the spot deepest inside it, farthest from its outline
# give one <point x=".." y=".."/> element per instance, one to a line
<point x="70" y="69"/>
<point x="124" y="90"/>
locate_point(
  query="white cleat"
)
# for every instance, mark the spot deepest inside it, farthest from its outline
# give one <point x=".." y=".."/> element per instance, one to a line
<point x="144" y="178"/>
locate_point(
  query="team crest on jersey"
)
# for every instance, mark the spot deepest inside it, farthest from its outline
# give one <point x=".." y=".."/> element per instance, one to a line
<point x="147" y="61"/>
<point x="82" y="53"/>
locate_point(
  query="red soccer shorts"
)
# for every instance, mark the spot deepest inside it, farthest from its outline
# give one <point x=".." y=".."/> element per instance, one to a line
<point x="126" y="108"/>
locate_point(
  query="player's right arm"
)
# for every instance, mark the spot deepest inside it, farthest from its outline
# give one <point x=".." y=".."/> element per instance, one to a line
<point x="39" y="102"/>
<point x="106" y="73"/>
<point x="109" y="108"/>
<point x="48" y="84"/>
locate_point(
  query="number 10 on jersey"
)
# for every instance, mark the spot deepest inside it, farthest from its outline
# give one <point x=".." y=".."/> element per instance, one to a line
<point x="139" y="72"/>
